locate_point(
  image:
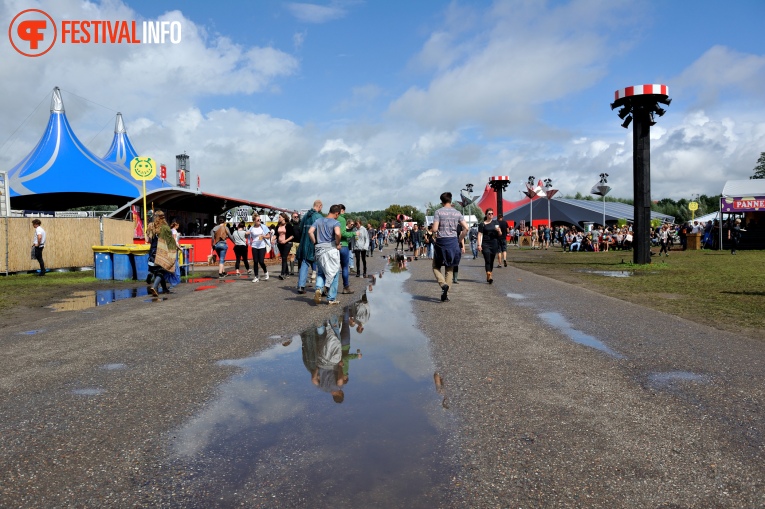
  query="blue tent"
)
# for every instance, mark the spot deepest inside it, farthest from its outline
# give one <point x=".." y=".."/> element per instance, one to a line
<point x="60" y="173"/>
<point x="121" y="151"/>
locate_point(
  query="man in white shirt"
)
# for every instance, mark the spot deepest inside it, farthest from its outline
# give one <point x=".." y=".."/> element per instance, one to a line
<point x="38" y="243"/>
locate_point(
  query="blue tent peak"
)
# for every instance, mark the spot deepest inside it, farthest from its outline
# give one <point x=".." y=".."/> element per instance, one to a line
<point x="61" y="165"/>
<point x="121" y="151"/>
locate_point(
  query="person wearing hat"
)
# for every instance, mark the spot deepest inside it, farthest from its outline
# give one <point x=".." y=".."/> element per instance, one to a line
<point x="734" y="235"/>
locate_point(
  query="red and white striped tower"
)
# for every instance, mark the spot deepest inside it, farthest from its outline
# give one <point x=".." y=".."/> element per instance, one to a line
<point x="638" y="105"/>
<point x="499" y="184"/>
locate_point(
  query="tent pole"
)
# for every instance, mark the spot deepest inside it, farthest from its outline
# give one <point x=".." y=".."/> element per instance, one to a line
<point x="719" y="226"/>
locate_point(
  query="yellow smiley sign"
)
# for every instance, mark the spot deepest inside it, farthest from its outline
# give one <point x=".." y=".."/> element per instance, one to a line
<point x="143" y="168"/>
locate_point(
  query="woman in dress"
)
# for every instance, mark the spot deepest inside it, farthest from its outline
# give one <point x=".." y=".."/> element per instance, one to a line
<point x="488" y="234"/>
<point x="158" y="230"/>
<point x="260" y="239"/>
<point x="284" y="235"/>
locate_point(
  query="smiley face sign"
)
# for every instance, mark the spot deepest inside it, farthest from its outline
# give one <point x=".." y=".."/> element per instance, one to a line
<point x="143" y="168"/>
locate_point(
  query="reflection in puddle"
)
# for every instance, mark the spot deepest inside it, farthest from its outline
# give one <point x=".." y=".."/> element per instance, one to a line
<point x="88" y="392"/>
<point x="92" y="298"/>
<point x="559" y="322"/>
<point x="516" y="296"/>
<point x="669" y="378"/>
<point x="32" y="332"/>
<point x="345" y="415"/>
<point x="611" y="273"/>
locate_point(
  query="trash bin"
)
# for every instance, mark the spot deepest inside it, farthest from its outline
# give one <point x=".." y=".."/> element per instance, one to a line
<point x="184" y="259"/>
<point x="102" y="261"/>
<point x="123" y="269"/>
<point x="140" y="254"/>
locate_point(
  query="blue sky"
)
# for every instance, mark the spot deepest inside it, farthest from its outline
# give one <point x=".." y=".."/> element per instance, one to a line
<point x="379" y="102"/>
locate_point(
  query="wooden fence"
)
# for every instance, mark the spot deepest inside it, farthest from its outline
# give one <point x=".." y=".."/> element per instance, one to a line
<point x="68" y="241"/>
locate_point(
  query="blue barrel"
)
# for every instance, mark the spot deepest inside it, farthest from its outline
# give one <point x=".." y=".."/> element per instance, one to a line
<point x="186" y="261"/>
<point x="123" y="269"/>
<point x="104" y="267"/>
<point x="141" y="266"/>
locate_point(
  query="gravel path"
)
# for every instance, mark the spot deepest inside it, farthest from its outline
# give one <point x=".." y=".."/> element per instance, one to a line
<point x="663" y="413"/>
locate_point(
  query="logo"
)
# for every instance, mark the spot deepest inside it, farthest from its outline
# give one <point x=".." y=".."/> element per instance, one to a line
<point x="32" y="32"/>
<point x="143" y="168"/>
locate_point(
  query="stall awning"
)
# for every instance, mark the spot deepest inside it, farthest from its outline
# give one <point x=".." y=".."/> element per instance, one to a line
<point x="743" y="196"/>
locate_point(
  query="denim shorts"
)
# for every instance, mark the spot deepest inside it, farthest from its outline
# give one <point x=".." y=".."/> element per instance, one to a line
<point x="221" y="248"/>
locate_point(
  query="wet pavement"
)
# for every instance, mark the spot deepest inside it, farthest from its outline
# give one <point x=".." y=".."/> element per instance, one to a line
<point x="525" y="393"/>
<point x="345" y="414"/>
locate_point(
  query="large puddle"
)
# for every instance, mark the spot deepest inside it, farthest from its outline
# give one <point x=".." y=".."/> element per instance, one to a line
<point x="91" y="298"/>
<point x="346" y="414"/>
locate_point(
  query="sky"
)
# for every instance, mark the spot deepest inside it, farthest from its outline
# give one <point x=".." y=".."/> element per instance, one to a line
<point x="376" y="102"/>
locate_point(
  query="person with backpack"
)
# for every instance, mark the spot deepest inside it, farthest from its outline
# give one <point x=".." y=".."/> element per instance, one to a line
<point x="305" y="251"/>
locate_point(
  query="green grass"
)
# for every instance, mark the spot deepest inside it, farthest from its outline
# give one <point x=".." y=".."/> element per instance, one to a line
<point x="711" y="287"/>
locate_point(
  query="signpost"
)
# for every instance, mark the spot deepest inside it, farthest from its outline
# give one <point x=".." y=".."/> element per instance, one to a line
<point x="693" y="207"/>
<point x="143" y="169"/>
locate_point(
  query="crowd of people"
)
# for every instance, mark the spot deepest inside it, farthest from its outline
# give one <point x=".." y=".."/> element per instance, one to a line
<point x="323" y="250"/>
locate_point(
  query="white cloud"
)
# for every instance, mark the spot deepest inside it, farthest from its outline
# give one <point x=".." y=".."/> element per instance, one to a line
<point x="520" y="55"/>
<point x="721" y="73"/>
<point x="478" y="114"/>
<point x="312" y="13"/>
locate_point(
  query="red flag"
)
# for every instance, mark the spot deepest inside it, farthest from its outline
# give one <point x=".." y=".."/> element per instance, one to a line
<point x="197" y="181"/>
<point x="163" y="172"/>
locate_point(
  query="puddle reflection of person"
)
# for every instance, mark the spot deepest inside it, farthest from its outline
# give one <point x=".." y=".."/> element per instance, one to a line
<point x="328" y="374"/>
<point x="345" y="341"/>
<point x="360" y="314"/>
<point x="439" y="382"/>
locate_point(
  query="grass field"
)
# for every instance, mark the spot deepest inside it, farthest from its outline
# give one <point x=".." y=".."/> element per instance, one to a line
<point x="710" y="287"/>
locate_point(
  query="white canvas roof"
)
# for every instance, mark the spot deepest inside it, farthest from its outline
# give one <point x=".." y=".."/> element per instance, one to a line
<point x="739" y="188"/>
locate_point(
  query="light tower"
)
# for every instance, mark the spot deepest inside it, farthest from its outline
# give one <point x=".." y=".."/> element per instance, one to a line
<point x="639" y="104"/>
<point x="499" y="184"/>
<point x="602" y="189"/>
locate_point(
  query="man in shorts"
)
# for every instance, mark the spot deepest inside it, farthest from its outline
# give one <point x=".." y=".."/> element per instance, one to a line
<point x="447" y="250"/>
<point x="502" y="249"/>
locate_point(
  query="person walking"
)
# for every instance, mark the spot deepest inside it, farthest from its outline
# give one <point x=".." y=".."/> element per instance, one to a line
<point x="38" y="244"/>
<point x="218" y="237"/>
<point x="488" y="235"/>
<point x="360" y="248"/>
<point x="372" y="234"/>
<point x="260" y="240"/>
<point x="326" y="236"/>
<point x="734" y="235"/>
<point x="305" y="253"/>
<point x="473" y="237"/>
<point x="284" y="236"/>
<point x="664" y="240"/>
<point x="345" y="252"/>
<point x="501" y="242"/>
<point x="240" y="247"/>
<point x="447" y="252"/>
<point x="162" y="254"/>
